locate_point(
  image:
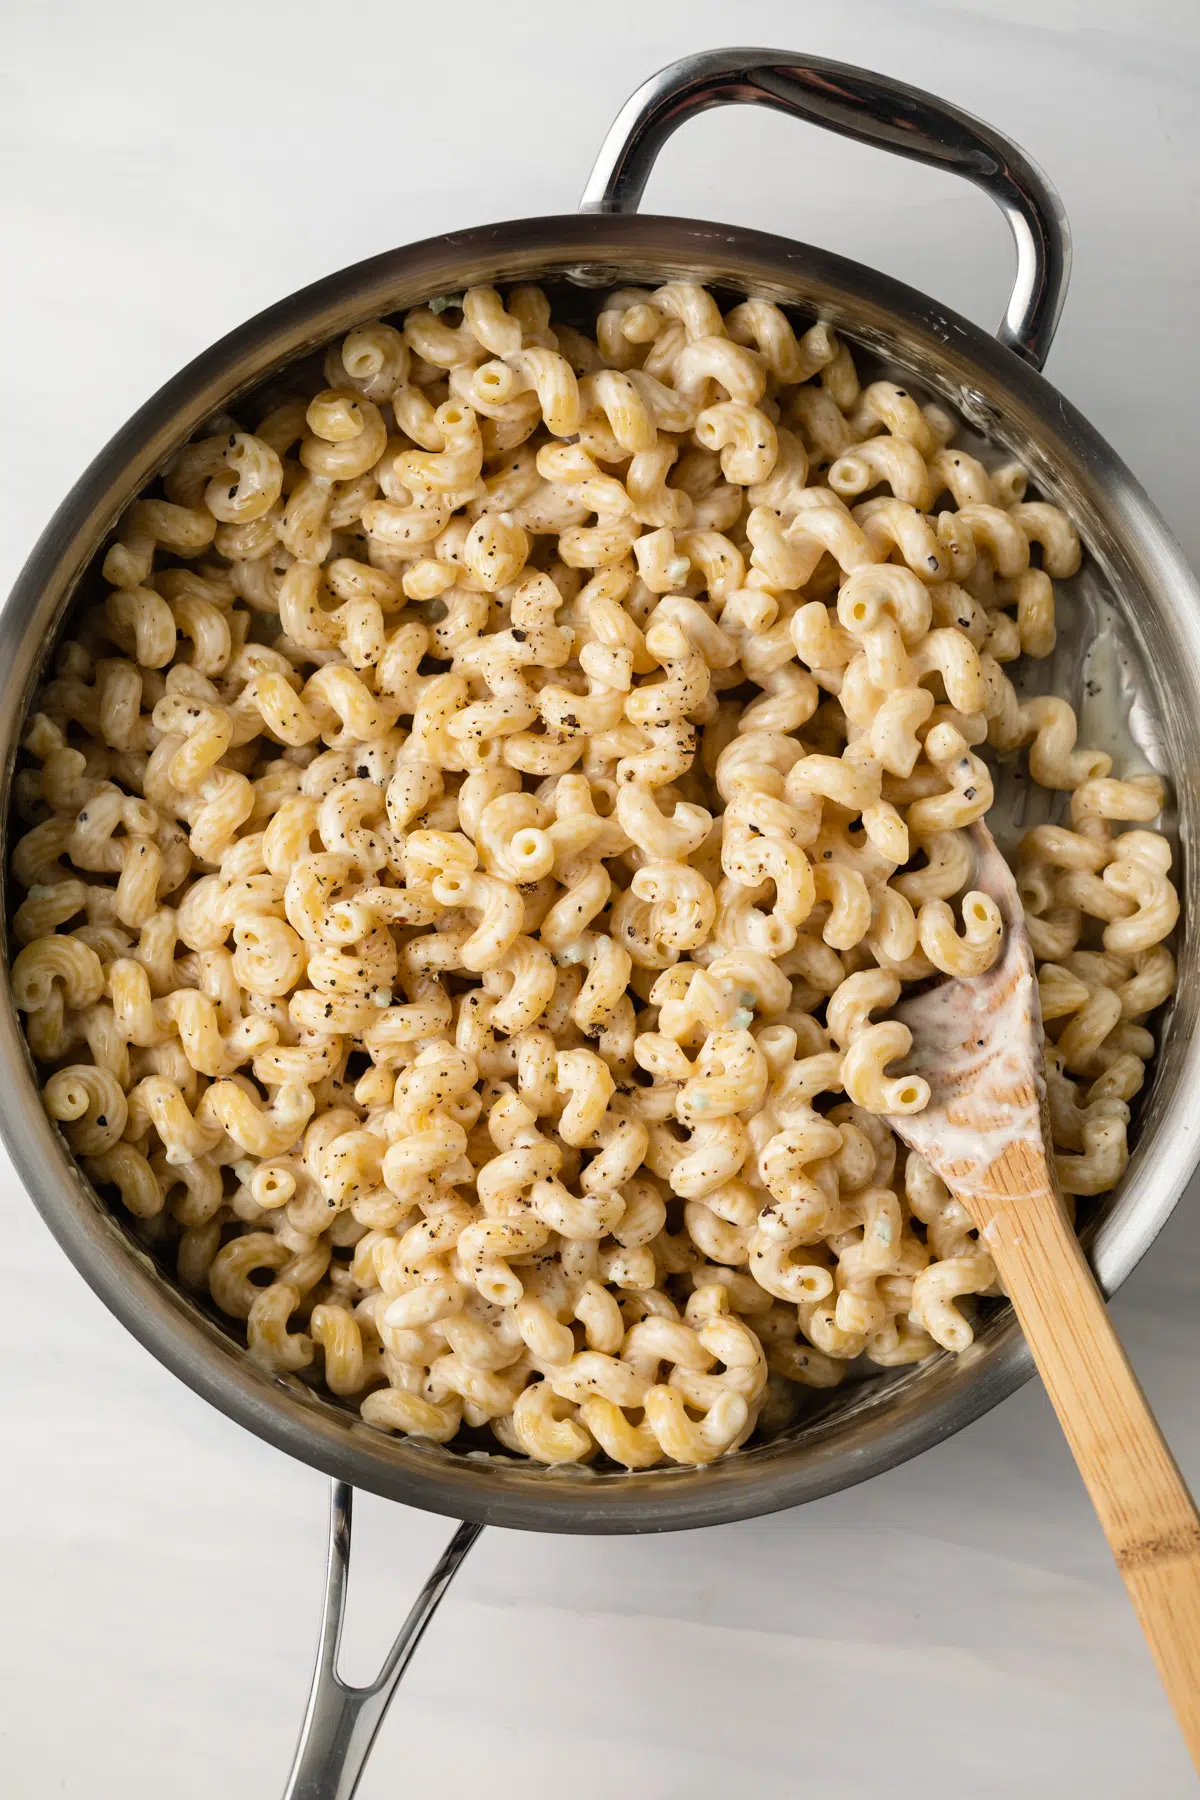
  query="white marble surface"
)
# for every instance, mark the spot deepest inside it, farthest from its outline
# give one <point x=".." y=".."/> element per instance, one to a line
<point x="955" y="1624"/>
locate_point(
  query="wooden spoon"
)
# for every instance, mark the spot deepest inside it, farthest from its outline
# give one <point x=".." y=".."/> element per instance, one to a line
<point x="978" y="1043"/>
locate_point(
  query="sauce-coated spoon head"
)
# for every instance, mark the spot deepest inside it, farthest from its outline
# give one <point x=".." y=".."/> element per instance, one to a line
<point x="977" y="1042"/>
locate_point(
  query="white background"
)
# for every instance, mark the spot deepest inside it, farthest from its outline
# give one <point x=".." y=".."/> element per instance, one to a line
<point x="956" y="1625"/>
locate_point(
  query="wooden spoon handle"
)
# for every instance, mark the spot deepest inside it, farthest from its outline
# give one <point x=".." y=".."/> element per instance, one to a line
<point x="1144" y="1506"/>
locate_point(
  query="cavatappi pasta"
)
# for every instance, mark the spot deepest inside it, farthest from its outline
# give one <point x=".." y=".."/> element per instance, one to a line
<point x="471" y="853"/>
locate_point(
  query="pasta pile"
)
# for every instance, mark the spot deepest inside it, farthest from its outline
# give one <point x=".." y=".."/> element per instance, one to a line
<point x="473" y="850"/>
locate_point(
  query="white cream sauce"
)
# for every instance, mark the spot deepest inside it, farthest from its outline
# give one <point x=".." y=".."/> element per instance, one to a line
<point x="1112" y="707"/>
<point x="977" y="1042"/>
<point x="979" y="1077"/>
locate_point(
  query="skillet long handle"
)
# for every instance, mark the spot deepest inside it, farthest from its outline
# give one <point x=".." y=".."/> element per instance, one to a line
<point x="1143" y="1504"/>
<point x="341" y="1722"/>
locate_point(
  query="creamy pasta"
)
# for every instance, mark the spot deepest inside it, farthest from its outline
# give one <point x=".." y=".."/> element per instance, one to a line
<point x="471" y="853"/>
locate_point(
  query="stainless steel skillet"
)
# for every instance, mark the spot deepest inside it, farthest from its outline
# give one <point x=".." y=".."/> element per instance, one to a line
<point x="1136" y="590"/>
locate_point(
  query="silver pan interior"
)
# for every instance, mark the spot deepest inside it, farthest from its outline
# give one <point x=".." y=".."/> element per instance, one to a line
<point x="1130" y="626"/>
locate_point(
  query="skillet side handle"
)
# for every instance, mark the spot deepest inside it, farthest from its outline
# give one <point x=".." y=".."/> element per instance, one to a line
<point x="341" y="1722"/>
<point x="872" y="109"/>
